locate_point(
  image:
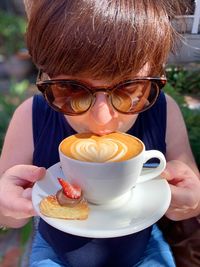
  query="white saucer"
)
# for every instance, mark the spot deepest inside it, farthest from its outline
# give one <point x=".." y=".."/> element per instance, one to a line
<point x="145" y="205"/>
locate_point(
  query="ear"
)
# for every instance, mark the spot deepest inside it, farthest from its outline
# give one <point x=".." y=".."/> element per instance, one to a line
<point x="28" y="5"/>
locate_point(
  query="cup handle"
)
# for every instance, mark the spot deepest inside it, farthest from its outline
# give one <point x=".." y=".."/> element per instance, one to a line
<point x="153" y="172"/>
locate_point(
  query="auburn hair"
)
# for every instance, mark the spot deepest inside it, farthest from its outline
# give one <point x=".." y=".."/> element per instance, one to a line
<point x="101" y="38"/>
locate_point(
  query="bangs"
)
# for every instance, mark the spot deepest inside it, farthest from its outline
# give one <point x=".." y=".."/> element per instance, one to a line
<point x="103" y="39"/>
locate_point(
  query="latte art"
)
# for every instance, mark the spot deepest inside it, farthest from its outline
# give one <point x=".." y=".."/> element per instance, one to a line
<point x="108" y="148"/>
<point x="80" y="104"/>
<point x="98" y="151"/>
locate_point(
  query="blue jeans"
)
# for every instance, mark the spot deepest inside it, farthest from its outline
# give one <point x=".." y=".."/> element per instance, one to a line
<point x="157" y="253"/>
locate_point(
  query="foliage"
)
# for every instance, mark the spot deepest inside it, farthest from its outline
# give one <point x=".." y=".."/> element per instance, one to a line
<point x="171" y="90"/>
<point x="185" y="81"/>
<point x="192" y="119"/>
<point x="26" y="232"/>
<point x="11" y="33"/>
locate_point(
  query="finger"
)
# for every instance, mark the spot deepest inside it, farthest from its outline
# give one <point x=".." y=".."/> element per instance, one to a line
<point x="178" y="214"/>
<point x="20" y="208"/>
<point x="174" y="216"/>
<point x="182" y="197"/>
<point x="176" y="170"/>
<point x="27" y="193"/>
<point x="29" y="173"/>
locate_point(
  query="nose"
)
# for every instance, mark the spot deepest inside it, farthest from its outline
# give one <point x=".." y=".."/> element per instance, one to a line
<point x="102" y="111"/>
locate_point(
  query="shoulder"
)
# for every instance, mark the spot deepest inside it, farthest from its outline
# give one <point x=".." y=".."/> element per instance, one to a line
<point x="178" y="145"/>
<point x="174" y="116"/>
<point x="171" y="104"/>
<point x="18" y="142"/>
<point x="22" y="115"/>
<point x="25" y="109"/>
<point x="176" y="134"/>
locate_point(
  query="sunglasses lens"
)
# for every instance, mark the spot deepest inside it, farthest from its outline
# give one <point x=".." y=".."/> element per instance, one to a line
<point x="68" y="97"/>
<point x="135" y="97"/>
<point x="74" y="98"/>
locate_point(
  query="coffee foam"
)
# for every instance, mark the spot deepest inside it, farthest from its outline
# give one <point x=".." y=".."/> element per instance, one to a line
<point x="98" y="151"/>
<point x="108" y="148"/>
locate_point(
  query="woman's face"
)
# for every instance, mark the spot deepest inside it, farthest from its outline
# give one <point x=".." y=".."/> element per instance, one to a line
<point x="101" y="118"/>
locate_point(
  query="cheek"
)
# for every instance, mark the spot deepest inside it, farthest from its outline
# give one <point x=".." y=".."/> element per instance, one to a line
<point x="126" y="122"/>
<point x="77" y="122"/>
<point x="126" y="119"/>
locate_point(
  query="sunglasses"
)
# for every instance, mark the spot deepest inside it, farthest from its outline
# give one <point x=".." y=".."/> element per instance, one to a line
<point x="73" y="97"/>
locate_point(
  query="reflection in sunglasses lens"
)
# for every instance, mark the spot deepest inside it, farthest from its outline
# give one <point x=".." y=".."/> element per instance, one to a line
<point x="80" y="102"/>
<point x="121" y="101"/>
<point x="74" y="98"/>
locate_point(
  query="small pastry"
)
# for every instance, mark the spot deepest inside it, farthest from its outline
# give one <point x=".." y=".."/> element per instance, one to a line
<point x="68" y="203"/>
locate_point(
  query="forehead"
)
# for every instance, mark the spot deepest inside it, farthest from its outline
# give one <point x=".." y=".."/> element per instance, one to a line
<point x="105" y="82"/>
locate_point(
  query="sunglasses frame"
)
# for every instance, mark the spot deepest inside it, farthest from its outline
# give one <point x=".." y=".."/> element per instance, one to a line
<point x="160" y="82"/>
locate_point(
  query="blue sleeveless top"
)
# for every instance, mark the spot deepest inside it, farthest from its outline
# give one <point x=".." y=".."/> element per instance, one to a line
<point x="49" y="128"/>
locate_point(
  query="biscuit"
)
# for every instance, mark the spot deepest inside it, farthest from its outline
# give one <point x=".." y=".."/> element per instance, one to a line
<point x="50" y="207"/>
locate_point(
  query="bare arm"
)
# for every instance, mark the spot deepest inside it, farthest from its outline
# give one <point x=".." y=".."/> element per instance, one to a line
<point x="178" y="146"/>
<point x="15" y="183"/>
<point x="181" y="171"/>
<point x="18" y="143"/>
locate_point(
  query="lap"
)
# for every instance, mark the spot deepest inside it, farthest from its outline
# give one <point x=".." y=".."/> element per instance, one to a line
<point x="157" y="253"/>
<point x="42" y="255"/>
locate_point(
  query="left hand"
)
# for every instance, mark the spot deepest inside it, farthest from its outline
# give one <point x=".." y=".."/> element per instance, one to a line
<point x="185" y="189"/>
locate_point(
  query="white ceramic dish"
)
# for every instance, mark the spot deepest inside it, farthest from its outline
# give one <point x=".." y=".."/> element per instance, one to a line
<point x="139" y="209"/>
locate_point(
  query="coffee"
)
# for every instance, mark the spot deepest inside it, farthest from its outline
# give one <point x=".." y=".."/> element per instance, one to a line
<point x="106" y="167"/>
<point x="108" y="148"/>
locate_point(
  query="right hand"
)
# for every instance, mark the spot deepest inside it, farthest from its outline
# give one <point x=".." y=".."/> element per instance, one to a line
<point x="15" y="194"/>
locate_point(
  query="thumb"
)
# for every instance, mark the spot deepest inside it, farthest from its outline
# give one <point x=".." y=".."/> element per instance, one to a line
<point x="166" y="174"/>
<point x="29" y="173"/>
<point x="27" y="193"/>
<point x="173" y="170"/>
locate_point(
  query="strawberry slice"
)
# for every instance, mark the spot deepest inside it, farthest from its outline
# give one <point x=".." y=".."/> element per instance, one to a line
<point x="70" y="191"/>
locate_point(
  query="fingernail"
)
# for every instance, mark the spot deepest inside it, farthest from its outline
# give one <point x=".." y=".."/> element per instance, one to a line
<point x="39" y="171"/>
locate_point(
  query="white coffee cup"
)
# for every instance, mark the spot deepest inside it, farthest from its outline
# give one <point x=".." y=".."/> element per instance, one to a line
<point x="103" y="182"/>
